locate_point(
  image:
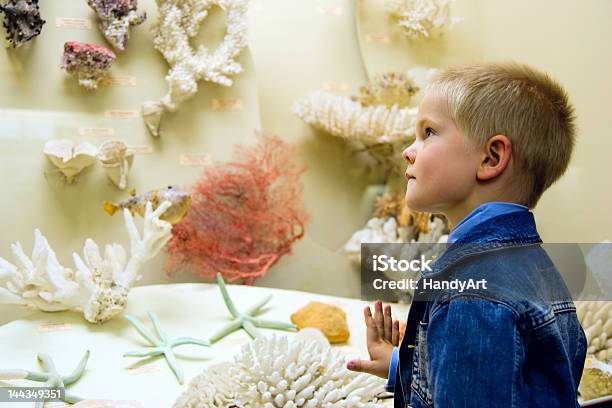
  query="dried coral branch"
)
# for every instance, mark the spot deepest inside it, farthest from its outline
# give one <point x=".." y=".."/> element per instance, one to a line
<point x="116" y="17"/>
<point x="421" y="19"/>
<point x="244" y="215"/>
<point x="178" y="23"/>
<point x="100" y="285"/>
<point x="22" y="22"/>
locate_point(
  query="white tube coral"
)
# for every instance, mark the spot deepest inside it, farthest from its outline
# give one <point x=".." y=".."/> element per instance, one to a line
<point x="596" y="320"/>
<point x="421" y="19"/>
<point x="178" y="23"/>
<point x="272" y="372"/>
<point x="100" y="285"/>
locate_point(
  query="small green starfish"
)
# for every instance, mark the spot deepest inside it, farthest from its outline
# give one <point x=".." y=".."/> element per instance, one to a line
<point x="49" y="376"/>
<point x="162" y="346"/>
<point x="246" y="321"/>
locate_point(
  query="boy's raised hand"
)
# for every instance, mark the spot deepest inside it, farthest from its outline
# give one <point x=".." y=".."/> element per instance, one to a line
<point x="382" y="335"/>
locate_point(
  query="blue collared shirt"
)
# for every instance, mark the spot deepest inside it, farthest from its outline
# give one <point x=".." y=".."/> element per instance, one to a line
<point x="479" y="215"/>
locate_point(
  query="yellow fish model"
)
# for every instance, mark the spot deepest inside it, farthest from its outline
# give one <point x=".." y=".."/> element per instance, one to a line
<point x="181" y="201"/>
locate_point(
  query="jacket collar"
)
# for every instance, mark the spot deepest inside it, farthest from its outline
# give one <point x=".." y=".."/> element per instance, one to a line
<point x="506" y="230"/>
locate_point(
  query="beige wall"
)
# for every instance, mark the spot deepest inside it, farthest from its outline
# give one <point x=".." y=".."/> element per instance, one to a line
<point x="295" y="46"/>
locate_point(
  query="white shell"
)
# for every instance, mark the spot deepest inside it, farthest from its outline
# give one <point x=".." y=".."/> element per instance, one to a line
<point x="99" y="286"/>
<point x="177" y="23"/>
<point x="68" y="158"/>
<point x="271" y="372"/>
<point x="116" y="159"/>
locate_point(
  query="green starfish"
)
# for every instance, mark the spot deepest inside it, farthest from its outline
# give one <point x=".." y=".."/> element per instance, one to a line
<point x="49" y="376"/>
<point x="163" y="345"/>
<point x="246" y="321"/>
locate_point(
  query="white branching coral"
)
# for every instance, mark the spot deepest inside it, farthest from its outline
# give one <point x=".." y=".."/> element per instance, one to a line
<point x="421" y="19"/>
<point x="100" y="285"/>
<point x="178" y="23"/>
<point x="596" y="319"/>
<point x="373" y="122"/>
<point x="273" y="372"/>
<point x="383" y="132"/>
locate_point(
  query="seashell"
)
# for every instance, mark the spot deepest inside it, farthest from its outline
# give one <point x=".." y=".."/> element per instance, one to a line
<point x="70" y="159"/>
<point x="116" y="160"/>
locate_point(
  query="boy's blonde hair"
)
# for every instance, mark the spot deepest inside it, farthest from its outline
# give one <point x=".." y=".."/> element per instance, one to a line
<point x="524" y="104"/>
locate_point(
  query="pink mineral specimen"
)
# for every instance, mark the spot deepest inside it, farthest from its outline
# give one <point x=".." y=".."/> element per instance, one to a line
<point x="90" y="62"/>
<point x="22" y="21"/>
<point x="116" y="18"/>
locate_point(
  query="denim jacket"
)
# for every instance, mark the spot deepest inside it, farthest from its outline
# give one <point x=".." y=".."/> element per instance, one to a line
<point x="517" y="343"/>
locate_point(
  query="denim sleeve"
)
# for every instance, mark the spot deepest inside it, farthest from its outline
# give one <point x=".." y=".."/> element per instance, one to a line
<point x="472" y="348"/>
<point x="392" y="370"/>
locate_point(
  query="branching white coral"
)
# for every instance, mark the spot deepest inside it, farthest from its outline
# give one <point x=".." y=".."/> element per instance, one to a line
<point x="596" y="319"/>
<point x="422" y="19"/>
<point x="178" y="23"/>
<point x="100" y="285"/>
<point x="271" y="372"/>
<point x="382" y="130"/>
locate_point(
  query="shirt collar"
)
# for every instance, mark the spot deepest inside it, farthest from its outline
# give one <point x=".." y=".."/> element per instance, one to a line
<point x="481" y="214"/>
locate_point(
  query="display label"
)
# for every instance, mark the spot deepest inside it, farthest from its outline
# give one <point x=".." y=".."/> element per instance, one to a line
<point x="144" y="369"/>
<point x="335" y="86"/>
<point x="53" y="327"/>
<point x="227" y="104"/>
<point x="119" y="80"/>
<point x="73" y="23"/>
<point x="140" y="149"/>
<point x="331" y="10"/>
<point x="121" y="114"/>
<point x="377" y="39"/>
<point x="195" y="160"/>
<point x="96" y="131"/>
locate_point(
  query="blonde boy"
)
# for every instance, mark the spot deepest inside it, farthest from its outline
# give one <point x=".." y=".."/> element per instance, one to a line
<point x="491" y="138"/>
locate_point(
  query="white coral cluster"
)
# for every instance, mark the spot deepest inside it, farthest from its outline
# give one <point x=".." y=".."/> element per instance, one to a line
<point x="383" y="130"/>
<point x="596" y="319"/>
<point x="273" y="372"/>
<point x="99" y="286"/>
<point x="421" y="19"/>
<point x="387" y="231"/>
<point x="341" y="116"/>
<point x="178" y="23"/>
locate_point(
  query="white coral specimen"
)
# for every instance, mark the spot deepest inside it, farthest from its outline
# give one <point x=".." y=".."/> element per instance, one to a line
<point x="100" y="285"/>
<point x="596" y="319"/>
<point x="178" y="22"/>
<point x="421" y="19"/>
<point x="271" y="372"/>
<point x="382" y="130"/>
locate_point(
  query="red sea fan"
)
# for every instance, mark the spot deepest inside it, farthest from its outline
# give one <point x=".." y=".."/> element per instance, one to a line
<point x="244" y="215"/>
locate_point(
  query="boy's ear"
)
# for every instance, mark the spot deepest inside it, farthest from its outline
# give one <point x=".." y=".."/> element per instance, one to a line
<point x="496" y="157"/>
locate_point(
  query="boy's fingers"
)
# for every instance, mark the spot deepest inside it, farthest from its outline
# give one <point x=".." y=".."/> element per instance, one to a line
<point x="362" y="366"/>
<point x="388" y="323"/>
<point x="371" y="331"/>
<point x="395" y="333"/>
<point x="379" y="319"/>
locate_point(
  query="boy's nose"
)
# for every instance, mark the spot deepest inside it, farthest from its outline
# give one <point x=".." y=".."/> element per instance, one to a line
<point x="409" y="154"/>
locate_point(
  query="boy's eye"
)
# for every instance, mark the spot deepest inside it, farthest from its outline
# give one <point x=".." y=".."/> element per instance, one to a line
<point x="428" y="132"/>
